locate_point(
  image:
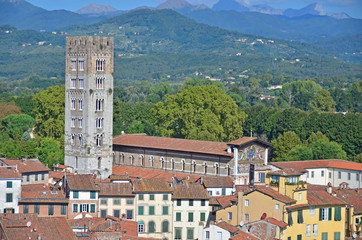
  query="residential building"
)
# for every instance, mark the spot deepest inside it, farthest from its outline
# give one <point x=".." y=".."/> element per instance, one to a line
<point x="83" y="195"/>
<point x="62" y="168"/>
<point x="44" y="200"/>
<point x="353" y="199"/>
<point x="267" y="229"/>
<point x="10" y="186"/>
<point x="321" y="172"/>
<point x="154" y="208"/>
<point x="89" y="105"/>
<point x="322" y="217"/>
<point x="116" y="199"/>
<point x="218" y="186"/>
<point x="30" y="226"/>
<point x="219" y="230"/>
<point x="224" y="208"/>
<point x="190" y="209"/>
<point x="191" y="156"/>
<point x="31" y="170"/>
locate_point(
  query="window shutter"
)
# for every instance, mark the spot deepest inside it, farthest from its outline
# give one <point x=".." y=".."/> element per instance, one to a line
<point x="290" y="219"/>
<point x="329" y="214"/>
<point x="320" y="214"/>
<point x="337" y="214"/>
<point x="87" y="207"/>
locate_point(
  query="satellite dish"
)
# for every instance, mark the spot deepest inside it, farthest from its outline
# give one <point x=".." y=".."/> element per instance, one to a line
<point x="28" y="224"/>
<point x="60" y="184"/>
<point x="241" y="223"/>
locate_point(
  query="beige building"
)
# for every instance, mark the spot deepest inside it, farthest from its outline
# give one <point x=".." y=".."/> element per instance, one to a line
<point x="154" y="208"/>
<point x="190" y="209"/>
<point x="116" y="199"/>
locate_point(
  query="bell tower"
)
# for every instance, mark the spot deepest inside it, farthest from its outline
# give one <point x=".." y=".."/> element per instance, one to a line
<point x="89" y="105"/>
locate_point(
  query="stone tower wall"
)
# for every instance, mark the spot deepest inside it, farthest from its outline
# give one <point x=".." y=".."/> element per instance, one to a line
<point x="82" y="150"/>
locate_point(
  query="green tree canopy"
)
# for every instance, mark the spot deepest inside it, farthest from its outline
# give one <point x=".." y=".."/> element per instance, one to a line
<point x="283" y="144"/>
<point x="16" y="125"/>
<point x="49" y="112"/>
<point x="199" y="112"/>
<point x="323" y="102"/>
<point x="50" y="151"/>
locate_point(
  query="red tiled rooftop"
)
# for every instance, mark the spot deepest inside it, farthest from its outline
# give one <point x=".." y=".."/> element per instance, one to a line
<point x="81" y="182"/>
<point x="151" y="185"/>
<point x="175" y="144"/>
<point x="55" y="228"/>
<point x="224" y="201"/>
<point x="287" y="172"/>
<point x="350" y="197"/>
<point x="9" y="172"/>
<point x="217" y="181"/>
<point x="115" y="189"/>
<point x="274" y="194"/>
<point x="244" y="236"/>
<point x="327" y="163"/>
<point x="321" y="197"/>
<point x="27" y="166"/>
<point x="276" y="222"/>
<point x="228" y="227"/>
<point x="41" y="193"/>
<point x="187" y="190"/>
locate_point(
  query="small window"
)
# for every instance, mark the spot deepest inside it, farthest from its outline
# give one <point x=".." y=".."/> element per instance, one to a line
<point x="357" y="176"/>
<point x="246" y="203"/>
<point x="103" y="213"/>
<point x="75" y="194"/>
<point x="165" y="197"/>
<point x="191" y="202"/>
<point x="26" y="208"/>
<point x="74" y="65"/>
<point x="42" y="176"/>
<point x="339" y="175"/>
<point x="247" y="217"/>
<point x="140" y="210"/>
<point x="141" y="227"/>
<point x="311" y="210"/>
<point x="330" y="175"/>
<point x="277" y="206"/>
<point x="223" y="192"/>
<point x="28" y="178"/>
<point x="75" y="208"/>
<point x="9" y="184"/>
<point x="63" y="209"/>
<point x="81" y="83"/>
<point x="299" y="196"/>
<point x="178" y="217"/>
<point x="81" y="64"/>
<point x="103" y="201"/>
<point x="116" y="213"/>
<point x="190" y="233"/>
<point x="92" y="195"/>
<point x="230" y="215"/>
<point x="324" y="235"/>
<point x="116" y="201"/>
<point x="151" y="227"/>
<point x="9" y="197"/>
<point x="203" y="202"/>
<point x="337" y="236"/>
<point x="36" y="208"/>
<point x="315" y="230"/>
<point x="93" y="208"/>
<point x="165" y="226"/>
<point x="202" y="217"/>
<point x="190" y="217"/>
<point x="178" y="202"/>
<point x="151" y="210"/>
<point x="129" y="202"/>
<point x="322" y="173"/>
<point x="140" y="197"/>
<point x="312" y="174"/>
<point x="73" y="83"/>
<point x="152" y="197"/>
<point x="165" y="210"/>
<point x="51" y="209"/>
<point x="349" y="176"/>
<point x="129" y="214"/>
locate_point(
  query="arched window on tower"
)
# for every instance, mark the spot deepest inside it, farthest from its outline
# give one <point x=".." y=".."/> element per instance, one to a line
<point x="205" y="167"/>
<point x="142" y="160"/>
<point x="172" y="164"/>
<point x="121" y="158"/>
<point x="228" y="169"/>
<point x="99" y="140"/>
<point x="193" y="166"/>
<point x="152" y="159"/>
<point x="183" y="164"/>
<point x="131" y="160"/>
<point x="162" y="159"/>
<point x="76" y="162"/>
<point x="217" y="170"/>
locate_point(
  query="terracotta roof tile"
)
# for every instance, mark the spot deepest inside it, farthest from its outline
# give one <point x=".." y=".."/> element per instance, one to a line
<point x="27" y="166"/>
<point x="115" y="189"/>
<point x="58" y="175"/>
<point x="41" y="193"/>
<point x="218" y="181"/>
<point x="9" y="172"/>
<point x="276" y="222"/>
<point x="274" y="194"/>
<point x="321" y="197"/>
<point x="176" y="144"/>
<point x="187" y="190"/>
<point x="245" y="140"/>
<point x="55" y="228"/>
<point x="151" y="185"/>
<point x="228" y="227"/>
<point x="287" y="172"/>
<point x="81" y="182"/>
<point x="327" y="163"/>
<point x="224" y="201"/>
<point x="350" y="197"/>
<point x="244" y="236"/>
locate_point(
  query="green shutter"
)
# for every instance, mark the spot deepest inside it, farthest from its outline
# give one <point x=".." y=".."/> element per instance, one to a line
<point x="26" y="208"/>
<point x="63" y="209"/>
<point x="329" y="214"/>
<point x="337" y="214"/>
<point x="93" y="208"/>
<point x="151" y="210"/>
<point x="36" y="209"/>
<point x="290" y="219"/>
<point x="191" y="217"/>
<point x="75" y="207"/>
<point x="178" y="217"/>
<point x="177" y="233"/>
<point x="299" y="237"/>
<point x="51" y="210"/>
<point x="202" y="217"/>
<point x="190" y="233"/>
<point x="300" y="216"/>
<point x="140" y="210"/>
<point x="337" y="236"/>
<point x="320" y="214"/>
<point x="165" y="210"/>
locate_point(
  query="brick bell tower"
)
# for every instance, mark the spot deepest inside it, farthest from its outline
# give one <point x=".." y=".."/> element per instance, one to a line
<point x="89" y="105"/>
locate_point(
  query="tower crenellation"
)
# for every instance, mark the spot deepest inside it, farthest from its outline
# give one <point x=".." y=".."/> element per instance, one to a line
<point x="89" y="104"/>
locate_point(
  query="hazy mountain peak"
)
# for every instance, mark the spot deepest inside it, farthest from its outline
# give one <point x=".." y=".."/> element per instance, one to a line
<point x="94" y="8"/>
<point x="231" y="5"/>
<point x="12" y="1"/>
<point x="174" y="4"/>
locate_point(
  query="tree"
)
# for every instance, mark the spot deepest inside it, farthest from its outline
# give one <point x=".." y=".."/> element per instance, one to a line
<point x="323" y="149"/>
<point x="323" y="102"/>
<point x="158" y="93"/>
<point x="16" y="125"/>
<point x="49" y="112"/>
<point x="199" y="112"/>
<point x="7" y="108"/>
<point x="50" y="152"/>
<point x="283" y="144"/>
<point x="314" y="137"/>
<point x="300" y="152"/>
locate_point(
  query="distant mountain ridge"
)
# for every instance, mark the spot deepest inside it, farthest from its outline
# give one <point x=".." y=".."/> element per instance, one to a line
<point x="98" y="10"/>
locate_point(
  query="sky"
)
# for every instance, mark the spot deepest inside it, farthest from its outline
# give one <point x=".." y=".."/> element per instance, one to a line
<point x="352" y="7"/>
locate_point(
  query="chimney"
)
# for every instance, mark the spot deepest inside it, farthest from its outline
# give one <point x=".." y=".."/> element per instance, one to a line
<point x="329" y="188"/>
